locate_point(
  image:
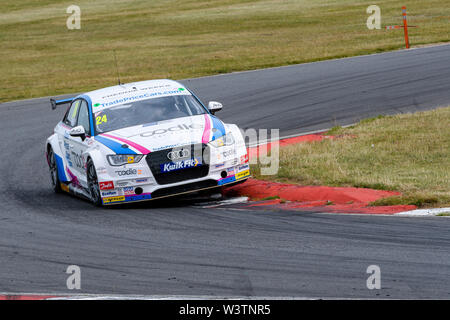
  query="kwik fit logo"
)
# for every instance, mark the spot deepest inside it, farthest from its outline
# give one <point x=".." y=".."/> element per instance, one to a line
<point x="184" y="164"/>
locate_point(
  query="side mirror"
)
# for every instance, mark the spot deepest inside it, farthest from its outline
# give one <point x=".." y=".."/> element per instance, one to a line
<point x="214" y="106"/>
<point x="78" y="131"/>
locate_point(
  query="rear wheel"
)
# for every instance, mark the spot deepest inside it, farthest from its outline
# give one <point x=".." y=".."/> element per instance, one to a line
<point x="92" y="180"/>
<point x="56" y="184"/>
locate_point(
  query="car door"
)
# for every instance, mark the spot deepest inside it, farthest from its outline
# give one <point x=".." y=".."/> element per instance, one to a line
<point x="78" y="145"/>
<point x="63" y="129"/>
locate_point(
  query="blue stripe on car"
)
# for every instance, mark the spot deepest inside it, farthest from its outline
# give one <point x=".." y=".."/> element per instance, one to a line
<point x="138" y="197"/>
<point x="64" y="101"/>
<point x="60" y="167"/>
<point x="226" y="180"/>
<point x="218" y="125"/>
<point x="91" y="116"/>
<point x="114" y="146"/>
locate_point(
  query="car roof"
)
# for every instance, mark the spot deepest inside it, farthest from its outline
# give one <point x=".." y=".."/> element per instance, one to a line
<point x="135" y="91"/>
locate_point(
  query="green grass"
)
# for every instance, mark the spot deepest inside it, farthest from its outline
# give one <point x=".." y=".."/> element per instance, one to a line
<point x="409" y="153"/>
<point x="443" y="214"/>
<point x="189" y="38"/>
<point x="270" y="198"/>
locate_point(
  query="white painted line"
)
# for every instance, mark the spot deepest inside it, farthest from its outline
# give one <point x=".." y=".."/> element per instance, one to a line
<point x="223" y="202"/>
<point x="424" y="212"/>
<point x="88" y="296"/>
<point x="142" y="297"/>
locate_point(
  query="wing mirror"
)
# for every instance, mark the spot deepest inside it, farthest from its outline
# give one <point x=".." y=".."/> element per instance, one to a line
<point x="214" y="106"/>
<point x="78" y="131"/>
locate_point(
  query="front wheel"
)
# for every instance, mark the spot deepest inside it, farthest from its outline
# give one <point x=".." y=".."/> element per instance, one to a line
<point x="56" y="184"/>
<point x="92" y="180"/>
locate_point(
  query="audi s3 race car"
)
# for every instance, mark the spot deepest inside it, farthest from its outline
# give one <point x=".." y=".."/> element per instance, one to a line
<point x="141" y="141"/>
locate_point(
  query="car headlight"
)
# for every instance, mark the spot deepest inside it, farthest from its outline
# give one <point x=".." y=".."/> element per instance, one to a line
<point x="121" y="159"/>
<point x="226" y="140"/>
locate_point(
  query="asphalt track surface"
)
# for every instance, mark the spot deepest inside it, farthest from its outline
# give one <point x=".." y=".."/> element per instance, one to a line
<point x="182" y="248"/>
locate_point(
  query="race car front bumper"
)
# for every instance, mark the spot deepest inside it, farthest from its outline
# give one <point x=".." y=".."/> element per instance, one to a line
<point x="156" y="176"/>
<point x="143" y="189"/>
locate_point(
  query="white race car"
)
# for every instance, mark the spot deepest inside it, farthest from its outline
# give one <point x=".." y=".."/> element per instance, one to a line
<point x="141" y="141"/>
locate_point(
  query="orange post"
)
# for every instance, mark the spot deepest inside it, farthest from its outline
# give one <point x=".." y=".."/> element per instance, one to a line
<point x="405" y="27"/>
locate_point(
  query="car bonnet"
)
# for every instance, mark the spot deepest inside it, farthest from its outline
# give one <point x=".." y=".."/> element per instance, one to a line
<point x="145" y="138"/>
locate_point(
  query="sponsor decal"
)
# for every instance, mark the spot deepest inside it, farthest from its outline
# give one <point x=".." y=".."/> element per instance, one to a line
<point x="228" y="153"/>
<point x="137" y="97"/>
<point x="128" y="190"/>
<point x="141" y="180"/>
<point x="244" y="158"/>
<point x="164" y="86"/>
<point x="242" y="174"/>
<point x="114" y="199"/>
<point x="78" y="159"/>
<point x="106" y="185"/>
<point x="146" y="196"/>
<point x="128" y="172"/>
<point x="241" y="168"/>
<point x="122" y="183"/>
<point x="171" y="146"/>
<point x="219" y="165"/>
<point x="179" y="127"/>
<point x="133" y="90"/>
<point x="69" y="162"/>
<point x="165" y="147"/>
<point x="230" y="171"/>
<point x="64" y="187"/>
<point x="109" y="193"/>
<point x="66" y="145"/>
<point x="120" y="93"/>
<point x="183" y="164"/>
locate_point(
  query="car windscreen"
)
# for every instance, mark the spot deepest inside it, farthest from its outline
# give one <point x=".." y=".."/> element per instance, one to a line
<point x="146" y="111"/>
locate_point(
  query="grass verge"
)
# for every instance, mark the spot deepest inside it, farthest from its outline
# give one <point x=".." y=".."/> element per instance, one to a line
<point x="188" y="38"/>
<point x="444" y="214"/>
<point x="409" y="153"/>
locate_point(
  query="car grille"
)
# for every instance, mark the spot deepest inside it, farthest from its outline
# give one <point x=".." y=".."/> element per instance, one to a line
<point x="155" y="159"/>
<point x="188" y="187"/>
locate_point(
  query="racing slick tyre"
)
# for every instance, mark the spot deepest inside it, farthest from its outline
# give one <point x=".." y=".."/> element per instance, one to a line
<point x="94" y="189"/>
<point x="56" y="184"/>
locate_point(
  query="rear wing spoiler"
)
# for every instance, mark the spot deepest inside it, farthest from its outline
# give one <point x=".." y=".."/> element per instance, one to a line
<point x="55" y="103"/>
